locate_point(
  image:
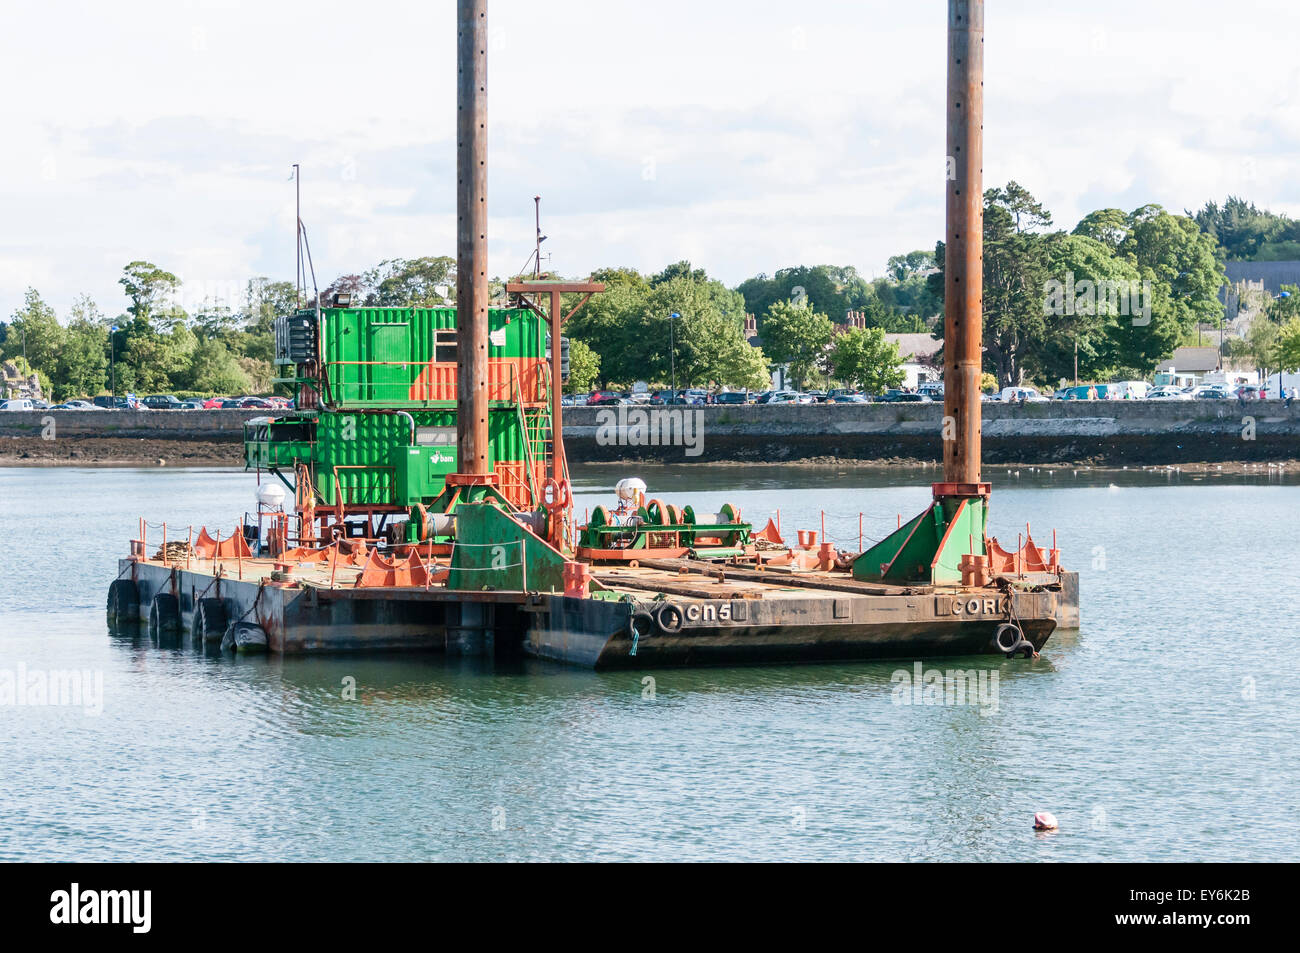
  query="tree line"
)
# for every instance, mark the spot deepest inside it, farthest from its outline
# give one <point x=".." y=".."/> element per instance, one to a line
<point x="681" y="322"/>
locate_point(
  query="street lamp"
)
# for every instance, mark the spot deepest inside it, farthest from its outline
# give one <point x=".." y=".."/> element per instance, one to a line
<point x="112" y="361"/>
<point x="672" y="349"/>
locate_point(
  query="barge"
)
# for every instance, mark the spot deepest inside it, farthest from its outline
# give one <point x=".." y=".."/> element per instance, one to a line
<point x="418" y="496"/>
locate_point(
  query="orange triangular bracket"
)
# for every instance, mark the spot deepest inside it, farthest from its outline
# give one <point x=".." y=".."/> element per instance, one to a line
<point x="231" y="547"/>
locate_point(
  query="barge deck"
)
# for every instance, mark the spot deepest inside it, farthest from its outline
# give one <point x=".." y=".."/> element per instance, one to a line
<point x="676" y="612"/>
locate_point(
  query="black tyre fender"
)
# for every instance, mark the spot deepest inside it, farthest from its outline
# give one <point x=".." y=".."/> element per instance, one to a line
<point x="164" y="615"/>
<point x="669" y="618"/>
<point x="244" y="637"/>
<point x="123" y="602"/>
<point x="209" y="623"/>
<point x="1008" y="637"/>
<point x="641" y="624"/>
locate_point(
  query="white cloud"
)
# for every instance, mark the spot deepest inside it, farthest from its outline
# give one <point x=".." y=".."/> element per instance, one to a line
<point x="745" y="136"/>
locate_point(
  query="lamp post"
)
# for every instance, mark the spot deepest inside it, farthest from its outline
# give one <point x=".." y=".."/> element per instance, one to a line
<point x="112" y="361"/>
<point x="672" y="349"/>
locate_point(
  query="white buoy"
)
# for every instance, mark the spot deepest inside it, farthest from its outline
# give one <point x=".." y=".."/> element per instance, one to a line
<point x="1045" y="821"/>
<point x="270" y="495"/>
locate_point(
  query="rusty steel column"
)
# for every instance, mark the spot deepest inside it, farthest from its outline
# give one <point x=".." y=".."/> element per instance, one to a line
<point x="471" y="238"/>
<point x="559" y="465"/>
<point x="964" y="259"/>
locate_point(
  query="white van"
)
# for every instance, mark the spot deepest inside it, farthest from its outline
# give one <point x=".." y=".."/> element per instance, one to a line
<point x="1020" y="393"/>
<point x="18" y="403"/>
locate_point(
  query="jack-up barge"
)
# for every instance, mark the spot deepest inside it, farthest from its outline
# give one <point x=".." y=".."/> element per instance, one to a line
<point x="429" y="504"/>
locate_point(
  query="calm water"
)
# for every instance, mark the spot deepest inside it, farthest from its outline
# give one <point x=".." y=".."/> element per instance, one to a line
<point x="1164" y="729"/>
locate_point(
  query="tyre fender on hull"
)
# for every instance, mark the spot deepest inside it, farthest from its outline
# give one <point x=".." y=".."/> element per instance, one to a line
<point x="245" y="638"/>
<point x="123" y="602"/>
<point x="1011" y="641"/>
<point x="209" y="624"/>
<point x="669" y="618"/>
<point x="164" y="615"/>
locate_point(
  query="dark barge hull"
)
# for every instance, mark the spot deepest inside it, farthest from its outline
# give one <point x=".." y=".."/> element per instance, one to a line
<point x="788" y="626"/>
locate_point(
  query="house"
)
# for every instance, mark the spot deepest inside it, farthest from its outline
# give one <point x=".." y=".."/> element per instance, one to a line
<point x="1188" y="366"/>
<point x="920" y="358"/>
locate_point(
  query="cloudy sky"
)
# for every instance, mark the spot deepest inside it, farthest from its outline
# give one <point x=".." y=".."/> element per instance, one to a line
<point x="745" y="136"/>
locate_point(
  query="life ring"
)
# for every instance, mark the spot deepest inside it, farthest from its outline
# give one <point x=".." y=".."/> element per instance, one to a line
<point x="555" y="494"/>
<point x="669" y="618"/>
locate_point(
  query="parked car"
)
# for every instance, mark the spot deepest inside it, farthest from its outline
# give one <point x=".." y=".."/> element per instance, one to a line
<point x="1168" y="392"/>
<point x="76" y="404"/>
<point x="1210" y="393"/>
<point x="572" y="400"/>
<point x="819" y="396"/>
<point x="213" y="403"/>
<point x="913" y="399"/>
<point x="732" y="397"/>
<point x="784" y="397"/>
<point x="162" y="402"/>
<point x="597" y="396"/>
<point x="849" y="399"/>
<point x="256" y="403"/>
<point x="18" y="403"/>
<point x="892" y="395"/>
<point x="193" y="403"/>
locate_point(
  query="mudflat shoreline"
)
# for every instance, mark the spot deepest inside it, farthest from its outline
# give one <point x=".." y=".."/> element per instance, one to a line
<point x="226" y="451"/>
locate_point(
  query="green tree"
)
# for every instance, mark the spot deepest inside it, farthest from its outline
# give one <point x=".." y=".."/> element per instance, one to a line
<point x="412" y="282"/>
<point x="149" y="288"/>
<point x="150" y="360"/>
<point x="1178" y="255"/>
<point x="1285" y="306"/>
<point x="795" y="335"/>
<point x="619" y="328"/>
<point x="837" y="289"/>
<point x="913" y="264"/>
<point x="264" y="301"/>
<point x="1017" y="267"/>
<point x="584" y="367"/>
<point x="1246" y="233"/>
<point x="708" y="336"/>
<point x="1287" y="354"/>
<point x="213" y="369"/>
<point x="35" y="332"/>
<point x="862" y="358"/>
<point x="1109" y="226"/>
<point x="82" y="368"/>
<point x="1101" y="283"/>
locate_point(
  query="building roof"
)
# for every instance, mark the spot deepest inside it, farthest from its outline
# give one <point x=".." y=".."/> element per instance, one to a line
<point x="1271" y="274"/>
<point x="1192" y="360"/>
<point x="915" y="346"/>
